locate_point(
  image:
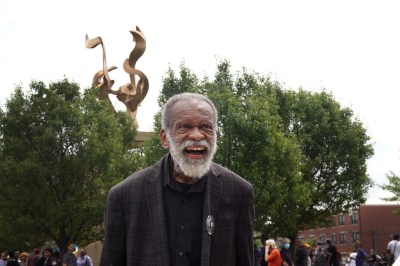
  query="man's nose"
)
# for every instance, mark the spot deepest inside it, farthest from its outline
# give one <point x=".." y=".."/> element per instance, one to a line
<point x="196" y="134"/>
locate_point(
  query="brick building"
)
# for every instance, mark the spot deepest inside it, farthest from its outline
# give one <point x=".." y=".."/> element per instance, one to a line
<point x="372" y="225"/>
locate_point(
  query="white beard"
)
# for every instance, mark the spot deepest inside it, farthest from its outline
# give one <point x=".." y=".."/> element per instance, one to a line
<point x="192" y="168"/>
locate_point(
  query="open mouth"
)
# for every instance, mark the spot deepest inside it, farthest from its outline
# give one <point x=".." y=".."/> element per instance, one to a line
<point x="196" y="151"/>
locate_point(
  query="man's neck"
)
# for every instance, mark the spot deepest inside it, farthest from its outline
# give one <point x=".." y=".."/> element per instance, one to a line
<point x="181" y="178"/>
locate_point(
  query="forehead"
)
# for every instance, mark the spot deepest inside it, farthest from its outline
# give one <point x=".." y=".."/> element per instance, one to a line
<point x="192" y="110"/>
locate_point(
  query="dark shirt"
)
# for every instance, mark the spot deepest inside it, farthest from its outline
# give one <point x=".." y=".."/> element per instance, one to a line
<point x="320" y="257"/>
<point x="12" y="262"/>
<point x="33" y="259"/>
<point x="69" y="259"/>
<point x="50" y="261"/>
<point x="183" y="205"/>
<point x="302" y="256"/>
<point x="286" y="256"/>
<point x="332" y="251"/>
<point x="257" y="255"/>
<point x="262" y="257"/>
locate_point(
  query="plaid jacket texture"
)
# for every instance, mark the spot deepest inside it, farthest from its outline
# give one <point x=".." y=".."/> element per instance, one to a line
<point x="135" y="225"/>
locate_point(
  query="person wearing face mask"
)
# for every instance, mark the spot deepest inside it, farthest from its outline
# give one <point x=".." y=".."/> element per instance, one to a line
<point x="185" y="210"/>
<point x="320" y="258"/>
<point x="285" y="253"/>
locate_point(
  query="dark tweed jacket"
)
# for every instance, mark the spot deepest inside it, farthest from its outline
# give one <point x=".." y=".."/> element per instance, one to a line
<point x="135" y="224"/>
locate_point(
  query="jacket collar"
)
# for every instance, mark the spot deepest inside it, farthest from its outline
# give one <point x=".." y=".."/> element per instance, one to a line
<point x="154" y="199"/>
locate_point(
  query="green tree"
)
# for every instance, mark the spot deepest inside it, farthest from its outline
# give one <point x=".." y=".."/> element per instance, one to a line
<point x="334" y="147"/>
<point x="60" y="152"/>
<point x="252" y="145"/>
<point x="393" y="187"/>
<point x="304" y="154"/>
<point x="249" y="141"/>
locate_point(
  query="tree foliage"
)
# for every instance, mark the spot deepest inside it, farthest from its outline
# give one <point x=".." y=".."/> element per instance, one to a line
<point x="334" y="147"/>
<point x="60" y="152"/>
<point x="304" y="154"/>
<point x="393" y="187"/>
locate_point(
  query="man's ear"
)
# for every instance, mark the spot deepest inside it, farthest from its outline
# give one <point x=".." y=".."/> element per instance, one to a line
<point x="164" y="140"/>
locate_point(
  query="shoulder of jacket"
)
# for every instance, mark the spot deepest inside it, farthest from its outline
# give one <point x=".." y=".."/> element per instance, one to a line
<point x="139" y="177"/>
<point x="227" y="175"/>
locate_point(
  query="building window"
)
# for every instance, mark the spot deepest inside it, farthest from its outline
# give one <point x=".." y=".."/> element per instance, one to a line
<point x="322" y="238"/>
<point x="342" y="238"/>
<point x="355" y="236"/>
<point x="341" y="219"/>
<point x="333" y="221"/>
<point x="354" y="217"/>
<point x="334" y="239"/>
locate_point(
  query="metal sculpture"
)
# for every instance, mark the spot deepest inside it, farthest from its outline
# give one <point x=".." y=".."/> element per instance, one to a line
<point x="131" y="94"/>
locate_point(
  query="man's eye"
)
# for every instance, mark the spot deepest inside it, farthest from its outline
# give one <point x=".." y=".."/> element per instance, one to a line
<point x="206" y="127"/>
<point x="184" y="126"/>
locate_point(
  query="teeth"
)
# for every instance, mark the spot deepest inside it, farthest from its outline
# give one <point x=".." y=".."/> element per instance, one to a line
<point x="196" y="149"/>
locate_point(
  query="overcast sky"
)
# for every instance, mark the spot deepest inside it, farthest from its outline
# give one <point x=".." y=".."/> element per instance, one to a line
<point x="350" y="48"/>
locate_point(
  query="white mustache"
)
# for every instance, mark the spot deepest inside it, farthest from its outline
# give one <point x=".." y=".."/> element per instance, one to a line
<point x="188" y="143"/>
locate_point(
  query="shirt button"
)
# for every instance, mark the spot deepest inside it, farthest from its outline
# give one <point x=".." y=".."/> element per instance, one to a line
<point x="180" y="253"/>
<point x="182" y="227"/>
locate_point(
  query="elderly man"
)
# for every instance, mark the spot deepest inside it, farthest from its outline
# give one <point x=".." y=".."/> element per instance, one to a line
<point x="185" y="209"/>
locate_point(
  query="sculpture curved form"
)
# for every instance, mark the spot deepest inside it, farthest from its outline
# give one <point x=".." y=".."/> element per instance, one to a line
<point x="133" y="93"/>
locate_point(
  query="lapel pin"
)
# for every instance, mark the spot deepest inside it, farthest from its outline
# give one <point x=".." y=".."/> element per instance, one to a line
<point x="210" y="225"/>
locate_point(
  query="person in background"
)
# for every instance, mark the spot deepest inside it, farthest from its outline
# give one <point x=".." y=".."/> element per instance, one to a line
<point x="320" y="258"/>
<point x="351" y="259"/>
<point x="311" y="253"/>
<point x="23" y="259"/>
<point x="3" y="259"/>
<point x="272" y="255"/>
<point x="361" y="254"/>
<point x="301" y="254"/>
<point x="308" y="254"/>
<point x="47" y="258"/>
<point x="83" y="259"/>
<point x="257" y="255"/>
<point x="69" y="259"/>
<point x="11" y="259"/>
<point x="332" y="253"/>
<point x="393" y="249"/>
<point x="34" y="257"/>
<point x="263" y="262"/>
<point x="286" y="255"/>
<point x="16" y="255"/>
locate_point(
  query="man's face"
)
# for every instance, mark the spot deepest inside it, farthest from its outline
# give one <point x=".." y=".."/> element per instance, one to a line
<point x="192" y="138"/>
<point x="71" y="248"/>
<point x="46" y="253"/>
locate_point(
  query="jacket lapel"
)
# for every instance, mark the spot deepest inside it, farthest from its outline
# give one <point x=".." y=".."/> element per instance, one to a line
<point x="154" y="200"/>
<point x="212" y="195"/>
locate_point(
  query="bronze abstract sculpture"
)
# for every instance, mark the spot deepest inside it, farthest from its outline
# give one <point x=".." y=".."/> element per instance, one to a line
<point x="131" y="94"/>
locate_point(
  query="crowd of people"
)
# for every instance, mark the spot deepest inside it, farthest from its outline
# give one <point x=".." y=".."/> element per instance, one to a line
<point x="323" y="254"/>
<point x="46" y="257"/>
